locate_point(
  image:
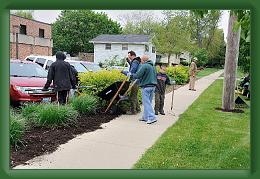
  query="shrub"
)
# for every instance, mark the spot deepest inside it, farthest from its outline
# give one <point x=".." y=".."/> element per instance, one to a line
<point x="85" y="104"/>
<point x="179" y="73"/>
<point x="17" y="128"/>
<point x="50" y="114"/>
<point x="98" y="81"/>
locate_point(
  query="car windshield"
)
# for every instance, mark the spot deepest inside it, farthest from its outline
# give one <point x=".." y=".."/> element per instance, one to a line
<point x="78" y="66"/>
<point x="27" y="70"/>
<point x="92" y="67"/>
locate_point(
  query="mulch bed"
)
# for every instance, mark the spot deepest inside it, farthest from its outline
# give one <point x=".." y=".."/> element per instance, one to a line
<point x="43" y="140"/>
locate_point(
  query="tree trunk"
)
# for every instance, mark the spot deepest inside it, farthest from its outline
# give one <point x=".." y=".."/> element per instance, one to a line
<point x="169" y="62"/>
<point x="231" y="58"/>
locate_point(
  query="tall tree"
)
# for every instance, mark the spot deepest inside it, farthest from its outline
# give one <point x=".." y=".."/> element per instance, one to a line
<point x="231" y="58"/>
<point x="172" y="37"/>
<point x="73" y="30"/>
<point x="203" y="24"/>
<point x="24" y="13"/>
<point x="139" y="22"/>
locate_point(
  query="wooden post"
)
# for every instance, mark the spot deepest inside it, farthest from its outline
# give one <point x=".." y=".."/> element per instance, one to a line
<point x="231" y="59"/>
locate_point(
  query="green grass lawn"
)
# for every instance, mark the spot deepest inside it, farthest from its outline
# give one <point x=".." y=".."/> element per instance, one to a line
<point x="206" y="71"/>
<point x="203" y="138"/>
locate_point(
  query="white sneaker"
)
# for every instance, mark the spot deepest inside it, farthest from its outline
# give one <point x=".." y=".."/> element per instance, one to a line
<point x="151" y="121"/>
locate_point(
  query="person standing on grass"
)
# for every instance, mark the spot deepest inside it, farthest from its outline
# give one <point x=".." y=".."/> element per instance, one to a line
<point x="147" y="76"/>
<point x="61" y="74"/>
<point x="134" y="63"/>
<point x="162" y="81"/>
<point x="192" y="73"/>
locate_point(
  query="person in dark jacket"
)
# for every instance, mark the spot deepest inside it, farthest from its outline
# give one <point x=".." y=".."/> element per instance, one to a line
<point x="147" y="76"/>
<point x="61" y="74"/>
<point x="134" y="63"/>
<point x="162" y="81"/>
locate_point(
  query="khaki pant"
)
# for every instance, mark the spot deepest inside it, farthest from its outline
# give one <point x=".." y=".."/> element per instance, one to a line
<point x="192" y="82"/>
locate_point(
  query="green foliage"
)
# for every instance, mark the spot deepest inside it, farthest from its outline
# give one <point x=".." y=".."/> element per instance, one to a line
<point x="17" y="128"/>
<point x="85" y="104"/>
<point x="75" y="28"/>
<point x="49" y="114"/>
<point x="173" y="37"/>
<point x="98" y="81"/>
<point x="202" y="56"/>
<point x="179" y="73"/>
<point x="244" y="56"/>
<point x="24" y="13"/>
<point x="114" y="61"/>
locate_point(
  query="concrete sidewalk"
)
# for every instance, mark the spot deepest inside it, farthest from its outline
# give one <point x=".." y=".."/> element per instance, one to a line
<point x="123" y="140"/>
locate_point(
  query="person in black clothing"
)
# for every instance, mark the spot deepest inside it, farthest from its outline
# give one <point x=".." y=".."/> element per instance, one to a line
<point x="61" y="74"/>
<point x="162" y="81"/>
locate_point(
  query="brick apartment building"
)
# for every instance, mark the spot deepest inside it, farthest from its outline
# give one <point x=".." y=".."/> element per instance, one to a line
<point x="34" y="37"/>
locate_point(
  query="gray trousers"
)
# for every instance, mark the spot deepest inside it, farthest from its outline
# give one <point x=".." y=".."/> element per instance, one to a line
<point x="159" y="102"/>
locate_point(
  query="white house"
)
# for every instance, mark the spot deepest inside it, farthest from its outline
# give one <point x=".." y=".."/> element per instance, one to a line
<point x="116" y="46"/>
<point x="174" y="58"/>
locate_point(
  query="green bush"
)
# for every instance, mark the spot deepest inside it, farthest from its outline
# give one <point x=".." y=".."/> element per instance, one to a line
<point x="100" y="80"/>
<point x="179" y="73"/>
<point x="85" y="104"/>
<point x="17" y="128"/>
<point x="49" y="114"/>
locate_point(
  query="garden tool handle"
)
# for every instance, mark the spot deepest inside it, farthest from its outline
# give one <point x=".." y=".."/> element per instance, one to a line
<point x="114" y="97"/>
<point x="130" y="87"/>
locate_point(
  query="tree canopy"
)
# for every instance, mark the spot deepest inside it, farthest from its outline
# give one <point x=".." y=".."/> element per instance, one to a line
<point x="73" y="30"/>
<point x="24" y="13"/>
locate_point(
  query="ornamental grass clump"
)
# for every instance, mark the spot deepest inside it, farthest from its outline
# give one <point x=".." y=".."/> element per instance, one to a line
<point x="85" y="104"/>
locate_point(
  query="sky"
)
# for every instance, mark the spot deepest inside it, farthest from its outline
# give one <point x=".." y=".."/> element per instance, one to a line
<point x="49" y="16"/>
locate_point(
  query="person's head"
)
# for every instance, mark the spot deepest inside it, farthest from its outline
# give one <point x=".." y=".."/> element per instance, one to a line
<point x="60" y="55"/>
<point x="194" y="60"/>
<point x="144" y="58"/>
<point x="163" y="68"/>
<point x="131" y="55"/>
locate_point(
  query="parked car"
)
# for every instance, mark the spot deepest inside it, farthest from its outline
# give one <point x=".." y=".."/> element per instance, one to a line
<point x="26" y="82"/>
<point x="46" y="61"/>
<point x="91" y="66"/>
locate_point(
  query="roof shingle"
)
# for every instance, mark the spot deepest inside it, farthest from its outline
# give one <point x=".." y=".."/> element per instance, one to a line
<point x="130" y="38"/>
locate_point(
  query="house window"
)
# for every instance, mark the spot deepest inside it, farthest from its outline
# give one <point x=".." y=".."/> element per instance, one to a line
<point x="108" y="46"/>
<point x="124" y="46"/>
<point x="23" y="29"/>
<point x="41" y="33"/>
<point x="153" y="49"/>
<point x="146" y="48"/>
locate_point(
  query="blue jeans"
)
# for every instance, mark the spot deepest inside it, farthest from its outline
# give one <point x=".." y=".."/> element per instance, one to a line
<point x="147" y="98"/>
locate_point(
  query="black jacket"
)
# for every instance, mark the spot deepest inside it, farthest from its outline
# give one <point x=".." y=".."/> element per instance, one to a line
<point x="162" y="81"/>
<point x="62" y="76"/>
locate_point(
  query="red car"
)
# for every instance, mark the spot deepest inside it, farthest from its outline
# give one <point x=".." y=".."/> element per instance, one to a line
<point x="26" y="82"/>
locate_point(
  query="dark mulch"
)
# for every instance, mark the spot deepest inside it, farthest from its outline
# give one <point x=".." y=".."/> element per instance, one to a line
<point x="42" y="140"/>
<point x="233" y="111"/>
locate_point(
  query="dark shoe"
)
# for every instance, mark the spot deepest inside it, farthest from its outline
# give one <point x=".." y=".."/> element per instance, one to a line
<point x="162" y="113"/>
<point x="156" y="113"/>
<point x="190" y="89"/>
<point x="193" y="90"/>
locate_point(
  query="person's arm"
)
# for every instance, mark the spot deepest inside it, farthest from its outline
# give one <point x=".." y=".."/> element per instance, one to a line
<point x="50" y="77"/>
<point x="139" y="74"/>
<point x="72" y="78"/>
